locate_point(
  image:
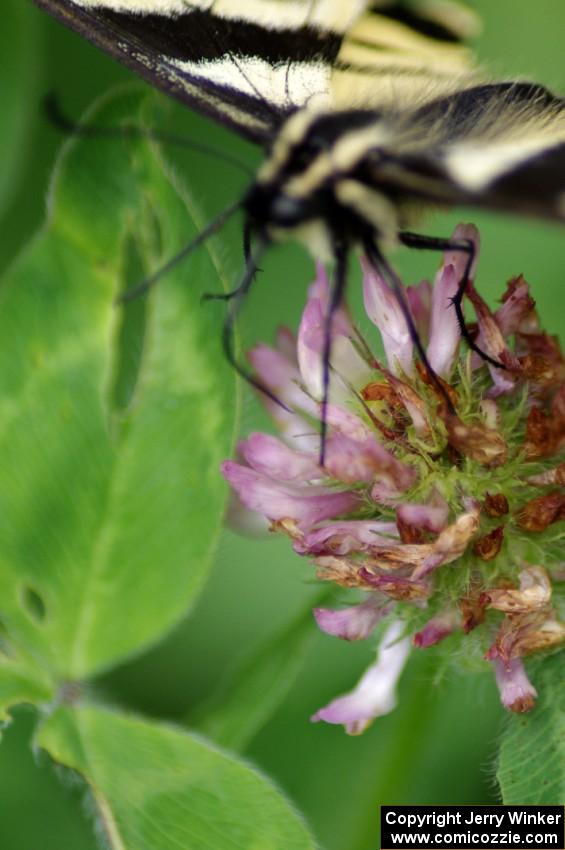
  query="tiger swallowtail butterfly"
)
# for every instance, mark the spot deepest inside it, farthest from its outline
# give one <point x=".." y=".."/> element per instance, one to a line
<point x="367" y="111"/>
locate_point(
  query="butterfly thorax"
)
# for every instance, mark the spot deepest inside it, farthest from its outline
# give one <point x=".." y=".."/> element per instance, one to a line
<point x="313" y="185"/>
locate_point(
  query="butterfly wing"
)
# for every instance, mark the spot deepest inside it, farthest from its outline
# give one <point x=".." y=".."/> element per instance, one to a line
<point x="398" y="53"/>
<point x="249" y="64"/>
<point x="494" y="145"/>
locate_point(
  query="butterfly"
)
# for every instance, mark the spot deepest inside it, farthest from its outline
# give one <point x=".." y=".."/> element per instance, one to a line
<point x="368" y="111"/>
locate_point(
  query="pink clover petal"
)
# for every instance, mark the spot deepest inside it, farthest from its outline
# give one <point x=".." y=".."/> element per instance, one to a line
<point x="310" y="347"/>
<point x="445" y="334"/>
<point x="320" y="291"/>
<point x="273" y="367"/>
<point x="516" y="691"/>
<point x="347" y="423"/>
<point x="502" y="384"/>
<point x="393" y="478"/>
<point x="437" y="629"/>
<point x="396" y="476"/>
<point x="355" y="623"/>
<point x="384" y="311"/>
<point x="320" y="286"/>
<point x="355" y="453"/>
<point x="346" y="361"/>
<point x="375" y="693"/>
<point x="431" y="517"/>
<point x="420" y="301"/>
<point x="245" y="522"/>
<point x="286" y="344"/>
<point x="351" y="460"/>
<point x="272" y="457"/>
<point x="280" y="375"/>
<point x="305" y="505"/>
<point x="383" y="493"/>
<point x="341" y="538"/>
<point x="491" y="341"/>
<point x="458" y="259"/>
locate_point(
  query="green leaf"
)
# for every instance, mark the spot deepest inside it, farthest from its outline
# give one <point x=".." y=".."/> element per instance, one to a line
<point x="531" y="766"/>
<point x="113" y="420"/>
<point x="19" y="49"/>
<point x="247" y="701"/>
<point x="19" y="684"/>
<point x="158" y="788"/>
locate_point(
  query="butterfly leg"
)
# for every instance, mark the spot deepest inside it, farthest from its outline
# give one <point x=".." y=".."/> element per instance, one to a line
<point x="227" y="296"/>
<point x="220" y="296"/>
<point x="465" y="246"/>
<point x="383" y="268"/>
<point x="237" y="297"/>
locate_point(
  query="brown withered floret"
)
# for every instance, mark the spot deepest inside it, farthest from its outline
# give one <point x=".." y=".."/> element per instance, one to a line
<point x="539" y="513"/>
<point x="525" y="634"/>
<point x="483" y="445"/>
<point x="534" y="593"/>
<point x="380" y="394"/>
<point x="540" y="434"/>
<point x="472" y="607"/>
<point x="549" y="477"/>
<point x="487" y="548"/>
<point x="427" y="379"/>
<point x="396" y="587"/>
<point x="341" y="571"/>
<point x="495" y="505"/>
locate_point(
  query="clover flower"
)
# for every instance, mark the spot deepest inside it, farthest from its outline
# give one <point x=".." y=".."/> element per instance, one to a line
<point x="445" y="521"/>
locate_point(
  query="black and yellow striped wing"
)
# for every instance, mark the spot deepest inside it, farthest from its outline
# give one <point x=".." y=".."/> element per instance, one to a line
<point x="498" y="146"/>
<point x="249" y="63"/>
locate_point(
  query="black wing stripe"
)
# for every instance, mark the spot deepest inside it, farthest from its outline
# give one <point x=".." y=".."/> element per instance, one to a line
<point x="539" y="182"/>
<point x="403" y="14"/>
<point x="535" y="188"/>
<point x="459" y="113"/>
<point x="188" y="38"/>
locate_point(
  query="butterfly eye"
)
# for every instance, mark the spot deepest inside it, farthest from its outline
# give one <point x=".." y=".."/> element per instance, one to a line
<point x="287" y="212"/>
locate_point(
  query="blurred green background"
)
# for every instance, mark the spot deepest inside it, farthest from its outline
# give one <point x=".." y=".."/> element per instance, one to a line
<point x="440" y="744"/>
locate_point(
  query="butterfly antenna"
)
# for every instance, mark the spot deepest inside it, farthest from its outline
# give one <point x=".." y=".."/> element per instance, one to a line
<point x="386" y="271"/>
<point x="211" y="228"/>
<point x="59" y="119"/>
<point x="336" y="298"/>
<point x="228" y="334"/>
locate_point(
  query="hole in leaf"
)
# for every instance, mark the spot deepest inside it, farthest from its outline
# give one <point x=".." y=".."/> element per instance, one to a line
<point x="130" y="338"/>
<point x="4" y="639"/>
<point x="33" y="603"/>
